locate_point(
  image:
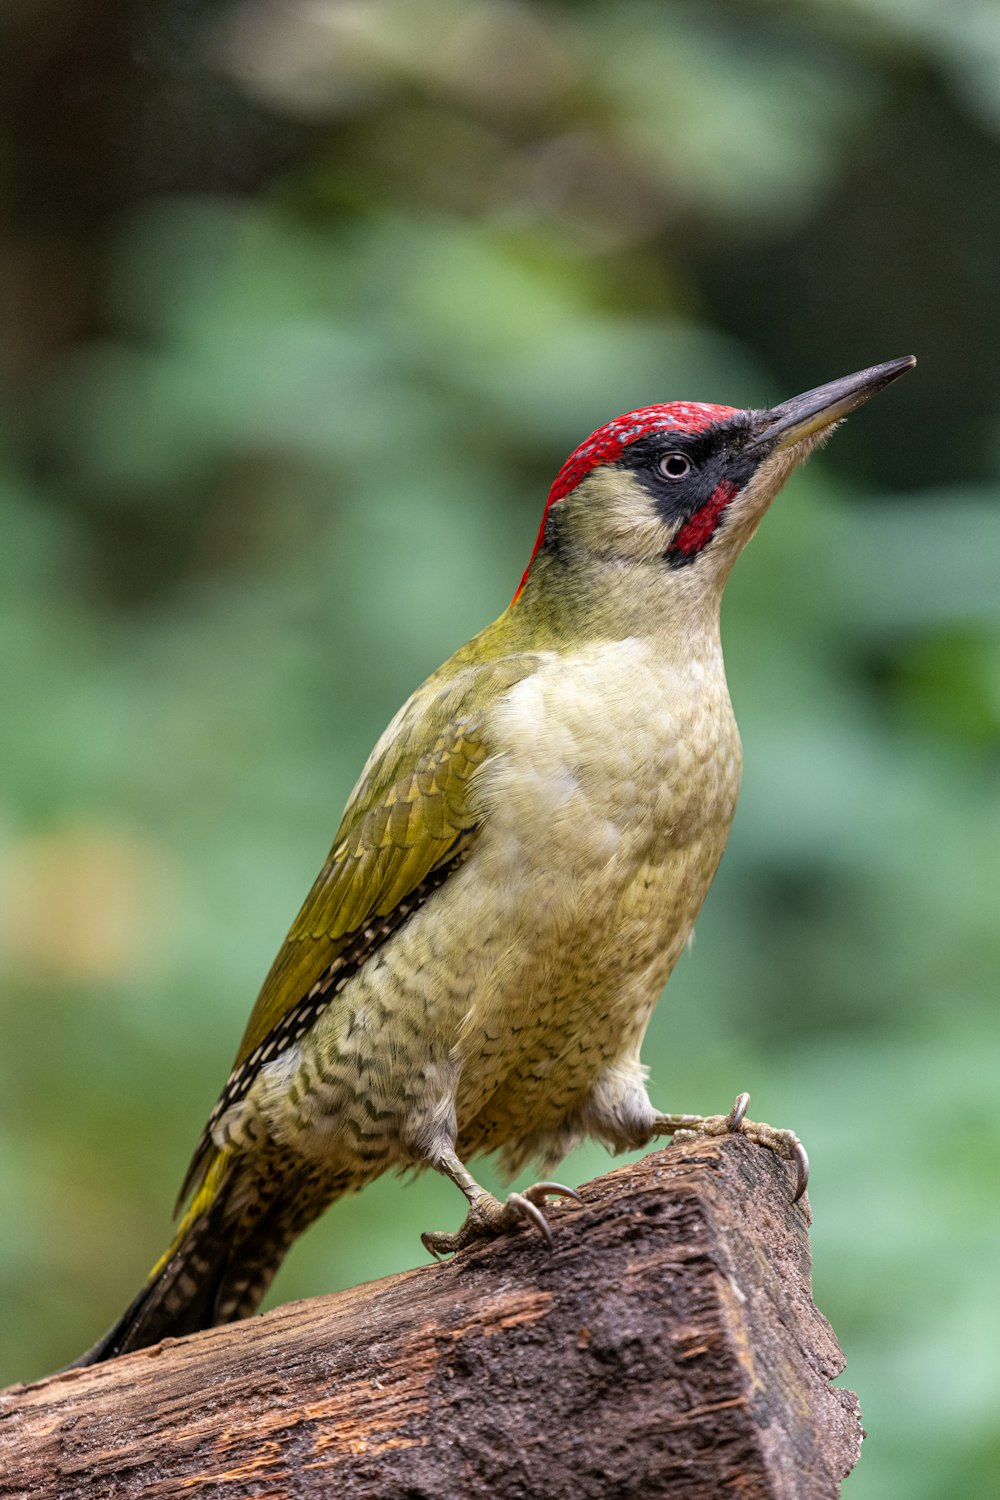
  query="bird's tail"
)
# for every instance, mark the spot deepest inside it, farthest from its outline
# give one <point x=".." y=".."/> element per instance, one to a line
<point x="223" y="1257"/>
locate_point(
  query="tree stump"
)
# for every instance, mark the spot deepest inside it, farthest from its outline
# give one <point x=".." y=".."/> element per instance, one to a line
<point x="667" y="1346"/>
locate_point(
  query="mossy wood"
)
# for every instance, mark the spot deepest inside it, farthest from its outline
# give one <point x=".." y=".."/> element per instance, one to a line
<point x="667" y="1346"/>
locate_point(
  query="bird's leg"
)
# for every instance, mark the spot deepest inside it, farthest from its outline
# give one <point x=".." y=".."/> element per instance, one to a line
<point x="784" y="1143"/>
<point x="487" y="1216"/>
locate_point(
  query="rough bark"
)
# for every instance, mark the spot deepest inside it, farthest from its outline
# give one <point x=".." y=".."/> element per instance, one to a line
<point x="668" y="1346"/>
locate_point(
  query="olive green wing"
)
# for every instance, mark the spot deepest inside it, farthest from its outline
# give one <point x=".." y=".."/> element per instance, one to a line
<point x="404" y="822"/>
<point x="409" y="824"/>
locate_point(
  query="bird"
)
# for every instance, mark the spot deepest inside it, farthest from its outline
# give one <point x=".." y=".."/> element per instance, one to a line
<point x="516" y="873"/>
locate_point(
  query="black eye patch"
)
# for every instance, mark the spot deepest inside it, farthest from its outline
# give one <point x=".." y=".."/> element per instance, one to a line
<point x="719" y="455"/>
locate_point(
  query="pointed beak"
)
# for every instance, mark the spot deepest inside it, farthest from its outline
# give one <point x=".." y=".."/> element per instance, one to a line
<point x="815" y="410"/>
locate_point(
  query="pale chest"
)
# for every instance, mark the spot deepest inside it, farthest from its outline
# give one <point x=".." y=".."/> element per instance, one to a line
<point x="605" y="810"/>
<point x="609" y="761"/>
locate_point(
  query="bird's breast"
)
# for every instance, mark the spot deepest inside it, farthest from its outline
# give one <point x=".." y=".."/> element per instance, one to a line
<point x="605" y="805"/>
<point x="611" y="759"/>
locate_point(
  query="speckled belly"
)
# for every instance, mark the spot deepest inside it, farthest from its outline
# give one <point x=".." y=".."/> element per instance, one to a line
<point x="530" y="1061"/>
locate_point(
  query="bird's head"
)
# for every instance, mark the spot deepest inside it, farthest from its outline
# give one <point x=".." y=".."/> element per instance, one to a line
<point x="677" y="490"/>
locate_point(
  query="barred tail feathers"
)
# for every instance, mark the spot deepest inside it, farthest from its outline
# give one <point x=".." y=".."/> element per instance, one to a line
<point x="227" y="1248"/>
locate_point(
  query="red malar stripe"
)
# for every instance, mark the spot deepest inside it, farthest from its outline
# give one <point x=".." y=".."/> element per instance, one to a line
<point x="700" y="528"/>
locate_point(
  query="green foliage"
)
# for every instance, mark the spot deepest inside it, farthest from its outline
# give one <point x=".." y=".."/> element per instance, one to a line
<point x="303" y="457"/>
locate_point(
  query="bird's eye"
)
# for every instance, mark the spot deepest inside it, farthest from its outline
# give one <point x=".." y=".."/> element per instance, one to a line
<point x="674" y="466"/>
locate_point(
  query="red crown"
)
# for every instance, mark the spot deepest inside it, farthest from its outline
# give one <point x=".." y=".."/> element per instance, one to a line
<point x="607" y="443"/>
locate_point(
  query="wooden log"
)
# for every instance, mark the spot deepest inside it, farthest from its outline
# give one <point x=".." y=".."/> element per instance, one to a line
<point x="667" y="1346"/>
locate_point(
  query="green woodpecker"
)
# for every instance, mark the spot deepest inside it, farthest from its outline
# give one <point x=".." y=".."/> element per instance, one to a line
<point x="517" y="871"/>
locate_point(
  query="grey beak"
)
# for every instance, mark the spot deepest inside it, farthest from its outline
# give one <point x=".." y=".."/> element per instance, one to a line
<point x="803" y="415"/>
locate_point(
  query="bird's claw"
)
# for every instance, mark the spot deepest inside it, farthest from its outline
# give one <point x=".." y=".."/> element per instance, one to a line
<point x="539" y="1191"/>
<point x="530" y="1203"/>
<point x="736" y="1116"/>
<point x="523" y="1206"/>
<point x="784" y="1143"/>
<point x="801" y="1157"/>
<point x="488" y="1218"/>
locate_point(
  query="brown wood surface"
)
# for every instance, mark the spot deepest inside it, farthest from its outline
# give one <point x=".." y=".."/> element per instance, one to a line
<point x="668" y="1346"/>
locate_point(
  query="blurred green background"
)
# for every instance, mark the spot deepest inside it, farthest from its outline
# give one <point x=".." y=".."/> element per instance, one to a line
<point x="303" y="305"/>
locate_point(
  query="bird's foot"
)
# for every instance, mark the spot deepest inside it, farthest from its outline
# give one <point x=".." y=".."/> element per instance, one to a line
<point x="784" y="1143"/>
<point x="488" y="1217"/>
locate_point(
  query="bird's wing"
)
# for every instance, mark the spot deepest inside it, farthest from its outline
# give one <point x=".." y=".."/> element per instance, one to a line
<point x="408" y="825"/>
